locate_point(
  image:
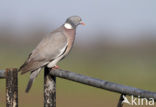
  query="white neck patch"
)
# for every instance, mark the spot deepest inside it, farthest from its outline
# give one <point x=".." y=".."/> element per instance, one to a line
<point x="68" y="26"/>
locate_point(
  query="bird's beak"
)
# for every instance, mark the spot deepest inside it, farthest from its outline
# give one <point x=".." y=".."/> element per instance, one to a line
<point x="82" y="23"/>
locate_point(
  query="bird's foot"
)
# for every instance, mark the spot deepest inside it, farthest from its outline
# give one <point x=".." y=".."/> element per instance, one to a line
<point x="56" y="67"/>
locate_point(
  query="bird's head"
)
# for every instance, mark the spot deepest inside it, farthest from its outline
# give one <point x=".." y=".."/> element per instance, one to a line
<point x="72" y="22"/>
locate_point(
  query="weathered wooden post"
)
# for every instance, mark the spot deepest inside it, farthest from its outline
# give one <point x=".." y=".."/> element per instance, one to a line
<point x="11" y="88"/>
<point x="49" y="89"/>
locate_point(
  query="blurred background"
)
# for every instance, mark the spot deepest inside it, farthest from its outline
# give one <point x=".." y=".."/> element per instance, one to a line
<point x="117" y="44"/>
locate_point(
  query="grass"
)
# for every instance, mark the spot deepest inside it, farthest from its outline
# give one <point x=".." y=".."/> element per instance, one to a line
<point x="116" y="67"/>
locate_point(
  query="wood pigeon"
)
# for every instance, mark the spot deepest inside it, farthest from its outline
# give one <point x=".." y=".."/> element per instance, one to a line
<point x="53" y="48"/>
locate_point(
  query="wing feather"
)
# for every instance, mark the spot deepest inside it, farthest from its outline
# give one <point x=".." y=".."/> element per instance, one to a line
<point x="47" y="50"/>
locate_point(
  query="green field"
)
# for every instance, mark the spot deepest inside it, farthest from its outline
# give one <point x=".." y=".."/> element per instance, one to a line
<point x="137" y="70"/>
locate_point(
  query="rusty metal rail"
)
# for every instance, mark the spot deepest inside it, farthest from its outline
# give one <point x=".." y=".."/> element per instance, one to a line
<point x="2" y="74"/>
<point x="110" y="86"/>
<point x="11" y="76"/>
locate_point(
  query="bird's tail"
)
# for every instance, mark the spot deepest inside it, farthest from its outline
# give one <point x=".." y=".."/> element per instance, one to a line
<point x="33" y="75"/>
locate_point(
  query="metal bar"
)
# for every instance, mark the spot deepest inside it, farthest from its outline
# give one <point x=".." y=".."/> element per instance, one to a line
<point x="120" y="104"/>
<point x="11" y="88"/>
<point x="2" y="74"/>
<point x="49" y="89"/>
<point x="110" y="86"/>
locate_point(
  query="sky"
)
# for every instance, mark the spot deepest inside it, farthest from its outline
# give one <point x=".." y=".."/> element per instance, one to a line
<point x="121" y="17"/>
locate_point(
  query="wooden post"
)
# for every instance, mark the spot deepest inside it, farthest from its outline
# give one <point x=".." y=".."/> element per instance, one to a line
<point x="11" y="88"/>
<point x="49" y="89"/>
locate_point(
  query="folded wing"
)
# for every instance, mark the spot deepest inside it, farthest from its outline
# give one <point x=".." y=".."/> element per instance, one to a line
<point x="51" y="47"/>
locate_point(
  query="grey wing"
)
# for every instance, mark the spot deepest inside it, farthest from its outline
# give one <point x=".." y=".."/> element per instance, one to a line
<point x="51" y="47"/>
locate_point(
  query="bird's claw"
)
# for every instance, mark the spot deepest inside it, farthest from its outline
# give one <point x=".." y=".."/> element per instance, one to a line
<point x="56" y="67"/>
